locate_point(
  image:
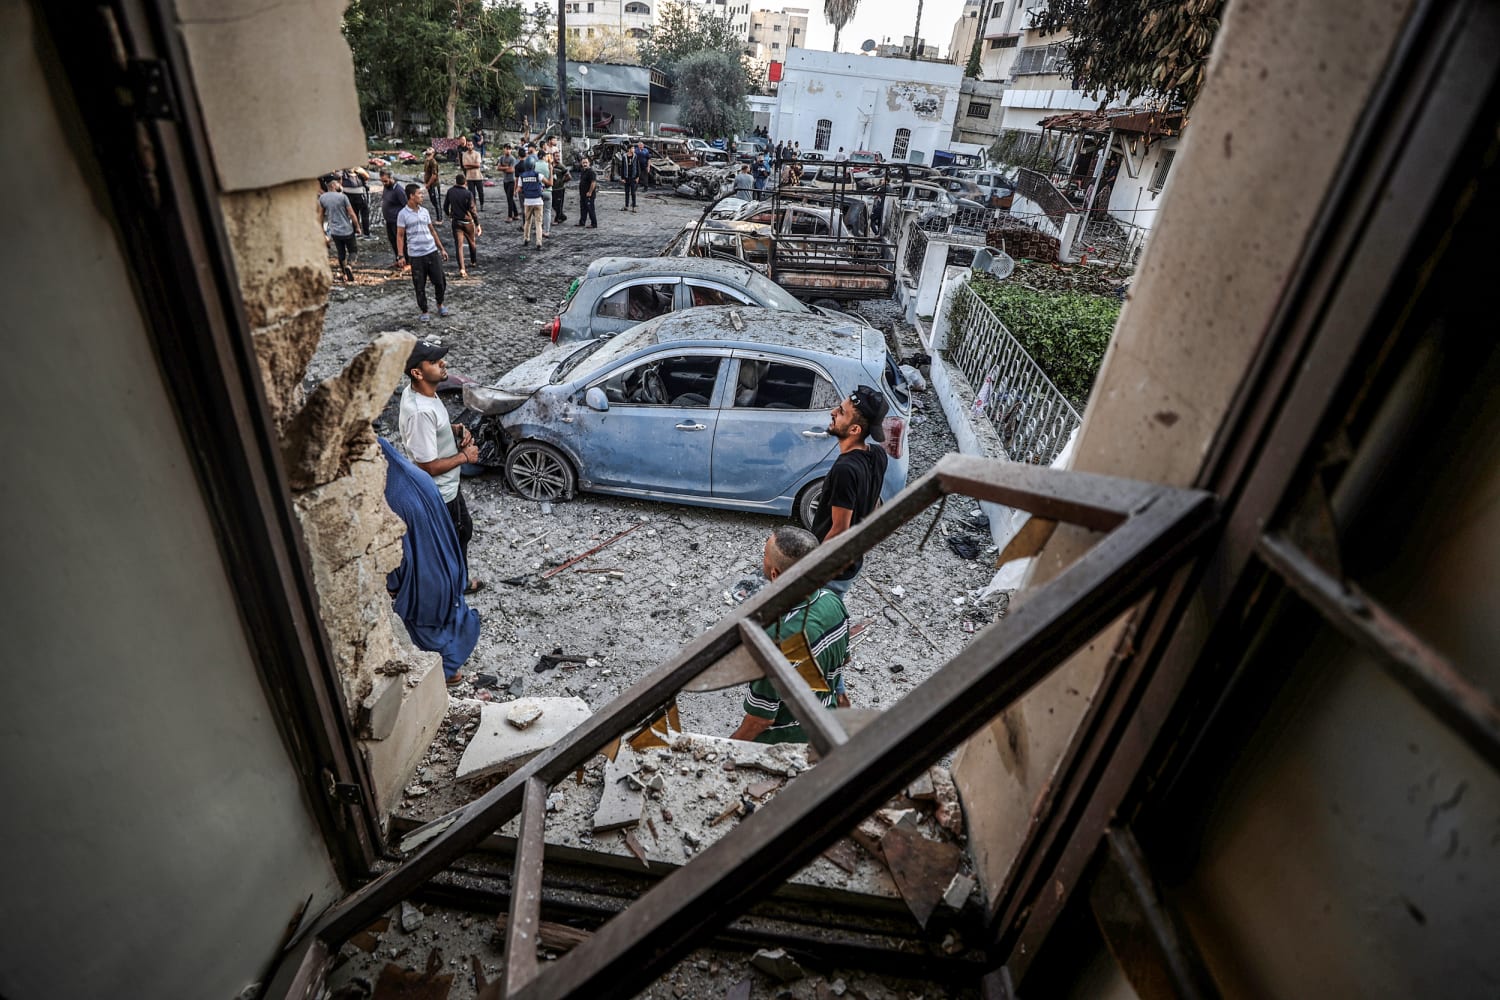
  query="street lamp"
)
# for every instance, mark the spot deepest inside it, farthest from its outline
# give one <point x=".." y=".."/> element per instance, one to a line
<point x="584" y="105"/>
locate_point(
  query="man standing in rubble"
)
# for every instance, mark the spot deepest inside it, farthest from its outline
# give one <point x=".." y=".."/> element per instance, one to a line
<point x="472" y="161"/>
<point x="419" y="246"/>
<point x="852" y="488"/>
<point x="436" y="445"/>
<point x="392" y="203"/>
<point x="814" y="636"/>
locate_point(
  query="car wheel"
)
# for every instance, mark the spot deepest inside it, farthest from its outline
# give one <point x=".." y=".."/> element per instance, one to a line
<point x="539" y="472"/>
<point x="827" y="304"/>
<point x="806" y="507"/>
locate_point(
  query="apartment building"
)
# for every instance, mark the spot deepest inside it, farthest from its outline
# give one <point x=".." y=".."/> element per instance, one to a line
<point x="773" y="33"/>
<point x="965" y="29"/>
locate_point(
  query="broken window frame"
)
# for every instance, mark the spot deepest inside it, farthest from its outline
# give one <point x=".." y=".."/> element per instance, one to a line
<point x="1150" y="534"/>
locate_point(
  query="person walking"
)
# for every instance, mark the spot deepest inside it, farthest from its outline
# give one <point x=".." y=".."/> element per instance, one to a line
<point x="852" y="487"/>
<point x="531" y="199"/>
<point x="473" y="163"/>
<point x="420" y="246"/>
<point x="544" y="174"/>
<point x="392" y="203"/>
<point x="643" y="165"/>
<point x="588" y="190"/>
<point x="506" y="164"/>
<point x="430" y="182"/>
<point x="743" y="182"/>
<point x="436" y="445"/>
<point x="630" y="173"/>
<point x="335" y="211"/>
<point x="560" y="174"/>
<point x="460" y="207"/>
<point x="355" y="181"/>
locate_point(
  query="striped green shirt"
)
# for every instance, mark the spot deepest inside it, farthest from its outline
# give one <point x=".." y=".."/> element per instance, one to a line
<point x="822" y="621"/>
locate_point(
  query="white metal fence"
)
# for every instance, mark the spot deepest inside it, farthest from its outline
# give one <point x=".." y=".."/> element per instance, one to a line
<point x="1031" y="416"/>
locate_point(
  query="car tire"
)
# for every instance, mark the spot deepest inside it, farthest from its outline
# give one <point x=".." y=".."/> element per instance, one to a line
<point x="806" y="507"/>
<point x="538" y="471"/>
<point x="827" y="304"/>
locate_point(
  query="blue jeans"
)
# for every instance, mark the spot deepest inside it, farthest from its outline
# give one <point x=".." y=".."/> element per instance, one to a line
<point x="841" y="587"/>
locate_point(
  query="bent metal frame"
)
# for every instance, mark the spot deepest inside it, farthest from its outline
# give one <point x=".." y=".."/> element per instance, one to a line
<point x="1150" y="531"/>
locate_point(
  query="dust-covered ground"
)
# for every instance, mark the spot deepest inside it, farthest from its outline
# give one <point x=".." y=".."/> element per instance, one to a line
<point x="679" y="563"/>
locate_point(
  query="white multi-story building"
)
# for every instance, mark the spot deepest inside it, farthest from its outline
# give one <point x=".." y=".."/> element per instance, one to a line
<point x="630" y="18"/>
<point x="899" y="108"/>
<point x="890" y="50"/>
<point x="774" y="33"/>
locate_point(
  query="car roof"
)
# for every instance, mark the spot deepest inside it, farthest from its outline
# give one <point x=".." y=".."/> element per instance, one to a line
<point x="610" y="267"/>
<point x="843" y="338"/>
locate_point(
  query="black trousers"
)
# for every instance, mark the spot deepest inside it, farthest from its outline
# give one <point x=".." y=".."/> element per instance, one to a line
<point x="361" y="204"/>
<point x="510" y="201"/>
<point x="424" y="267"/>
<point x="629" y="193"/>
<point x="390" y="234"/>
<point x="476" y="188"/>
<point x="558" y="197"/>
<point x="435" y="195"/>
<point x="464" y="525"/>
<point x="586" y="210"/>
<point x="346" y="247"/>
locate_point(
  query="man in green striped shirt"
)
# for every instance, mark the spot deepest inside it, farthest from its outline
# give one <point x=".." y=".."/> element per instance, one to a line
<point x="814" y="637"/>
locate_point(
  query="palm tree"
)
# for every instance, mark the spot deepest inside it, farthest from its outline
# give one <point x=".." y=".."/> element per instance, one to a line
<point x="838" y="13"/>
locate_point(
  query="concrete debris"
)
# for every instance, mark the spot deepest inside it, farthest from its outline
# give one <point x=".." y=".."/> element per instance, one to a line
<point x="624" y="800"/>
<point x="777" y="964"/>
<point x="898" y="817"/>
<point x="786" y="759"/>
<point x="761" y="789"/>
<point x="411" y="917"/>
<point x="844" y="854"/>
<point x="739" y="991"/>
<point x="838" y="987"/>
<point x="657" y="784"/>
<point x="499" y="748"/>
<point x="949" y="812"/>
<point x="522" y="714"/>
<point x="921" y="788"/>
<point x="635" y="848"/>
<point x="691" y="839"/>
<point x="952" y="943"/>
<point x="923" y="869"/>
<point x="958" y="891"/>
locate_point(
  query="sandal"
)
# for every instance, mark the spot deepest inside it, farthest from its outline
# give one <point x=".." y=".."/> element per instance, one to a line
<point x="455" y="680"/>
<point x="474" y="587"/>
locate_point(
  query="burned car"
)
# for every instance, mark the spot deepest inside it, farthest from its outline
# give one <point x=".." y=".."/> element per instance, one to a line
<point x="616" y="293"/>
<point x="717" y="407"/>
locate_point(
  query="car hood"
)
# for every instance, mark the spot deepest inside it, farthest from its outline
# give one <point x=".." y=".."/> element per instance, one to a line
<point x="529" y="376"/>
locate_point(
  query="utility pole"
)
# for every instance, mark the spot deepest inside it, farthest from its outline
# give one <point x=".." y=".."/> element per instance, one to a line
<point x="916" y="35"/>
<point x="562" y="67"/>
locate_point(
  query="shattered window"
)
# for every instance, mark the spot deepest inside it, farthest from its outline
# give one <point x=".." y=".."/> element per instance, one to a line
<point x="637" y="303"/>
<point x="676" y="381"/>
<point x="776" y="385"/>
<point x="704" y="295"/>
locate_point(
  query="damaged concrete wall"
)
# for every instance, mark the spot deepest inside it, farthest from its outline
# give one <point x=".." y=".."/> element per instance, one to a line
<point x="1196" y="313"/>
<point x="393" y="692"/>
<point x="156" y="840"/>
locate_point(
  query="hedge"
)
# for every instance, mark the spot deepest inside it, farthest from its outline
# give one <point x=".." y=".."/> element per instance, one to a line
<point x="1065" y="333"/>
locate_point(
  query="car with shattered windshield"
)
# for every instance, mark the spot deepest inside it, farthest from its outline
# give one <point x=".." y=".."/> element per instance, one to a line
<point x="719" y="406"/>
<point x="616" y="293"/>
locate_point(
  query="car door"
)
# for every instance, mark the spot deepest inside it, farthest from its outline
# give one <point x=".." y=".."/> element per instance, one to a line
<point x="773" y="426"/>
<point x="657" y="435"/>
<point x="632" y="302"/>
<point x="702" y="292"/>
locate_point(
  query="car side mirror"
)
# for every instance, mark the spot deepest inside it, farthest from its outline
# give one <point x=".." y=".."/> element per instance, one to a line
<point x="595" y="399"/>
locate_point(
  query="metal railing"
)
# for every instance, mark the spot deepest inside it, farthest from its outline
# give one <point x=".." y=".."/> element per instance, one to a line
<point x="1031" y="415"/>
<point x="916" y="251"/>
<point x="1039" y="189"/>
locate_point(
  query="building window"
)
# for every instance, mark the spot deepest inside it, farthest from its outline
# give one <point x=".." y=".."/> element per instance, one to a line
<point x="1005" y="42"/>
<point x="776" y="45"/>
<point x="591" y="32"/>
<point x="821" y="136"/>
<point x="1042" y="59"/>
<point x="637" y="8"/>
<point x="899" y="147"/>
<point x="776" y="28"/>
<point x="1159" y="178"/>
<point x="591" y="8"/>
<point x="979" y="109"/>
<point x="637" y="32"/>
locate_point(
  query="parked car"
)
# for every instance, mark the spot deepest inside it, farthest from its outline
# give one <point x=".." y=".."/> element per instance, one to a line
<point x="617" y="293"/>
<point x="796" y="218"/>
<point x="706" y="152"/>
<point x="819" y="271"/>
<point x="997" y="189"/>
<point x="716" y="407"/>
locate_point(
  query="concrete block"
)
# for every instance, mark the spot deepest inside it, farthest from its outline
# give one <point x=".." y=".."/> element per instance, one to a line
<point x="624" y="799"/>
<point x="378" y="712"/>
<point x="499" y="747"/>
<point x="423" y="704"/>
<point x="958" y="891"/>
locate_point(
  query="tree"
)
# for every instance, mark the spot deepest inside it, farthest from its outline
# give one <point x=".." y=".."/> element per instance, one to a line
<point x="710" y="89"/>
<point x="609" y="45"/>
<point x="1129" y="48"/>
<point x="916" y="34"/>
<point x="435" y="55"/>
<point x="682" y="31"/>
<point x="838" y="13"/>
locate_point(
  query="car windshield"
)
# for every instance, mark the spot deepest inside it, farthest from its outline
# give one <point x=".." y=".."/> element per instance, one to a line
<point x="595" y="354"/>
<point x="772" y="294"/>
<point x="862" y="158"/>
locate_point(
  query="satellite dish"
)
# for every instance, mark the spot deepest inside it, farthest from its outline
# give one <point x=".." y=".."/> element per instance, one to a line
<point x="868" y="45"/>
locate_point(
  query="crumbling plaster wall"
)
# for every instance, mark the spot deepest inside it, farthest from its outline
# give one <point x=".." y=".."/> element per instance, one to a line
<point x="266" y="150"/>
<point x="1220" y="255"/>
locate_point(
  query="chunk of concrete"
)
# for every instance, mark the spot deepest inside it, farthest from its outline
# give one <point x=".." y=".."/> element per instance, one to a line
<point x="523" y="713"/>
<point x="958" y="891"/>
<point x="411" y="917"/>
<point x="949" y="813"/>
<point x="424" y="700"/>
<point x="777" y="964"/>
<point x="497" y="747"/>
<point x="624" y="800"/>
<point x="377" y="713"/>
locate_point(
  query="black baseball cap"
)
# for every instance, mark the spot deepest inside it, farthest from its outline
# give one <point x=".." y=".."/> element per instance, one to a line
<point x="872" y="407"/>
<point x="426" y="350"/>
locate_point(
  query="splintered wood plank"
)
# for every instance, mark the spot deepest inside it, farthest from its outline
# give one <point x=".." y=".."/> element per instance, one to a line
<point x="526" y="890"/>
<point x="922" y="868"/>
<point x="823" y="730"/>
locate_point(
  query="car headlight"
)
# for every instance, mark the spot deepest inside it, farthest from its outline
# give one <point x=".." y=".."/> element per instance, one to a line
<point x="490" y="401"/>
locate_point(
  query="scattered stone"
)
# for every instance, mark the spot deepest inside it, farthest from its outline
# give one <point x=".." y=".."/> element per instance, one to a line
<point x="777" y="964"/>
<point x="522" y="714"/>
<point x="657" y="784"/>
<point x="952" y="943"/>
<point x="498" y="747"/>
<point x="666" y="814"/>
<point x="921" y="788"/>
<point x="729" y="765"/>
<point x="691" y="839"/>
<point x="897" y="668"/>
<point x="838" y="987"/>
<point x="958" y="891"/>
<point x="623" y="801"/>
<point x="411" y="917"/>
<point x="949" y="813"/>
<point x="763" y="788"/>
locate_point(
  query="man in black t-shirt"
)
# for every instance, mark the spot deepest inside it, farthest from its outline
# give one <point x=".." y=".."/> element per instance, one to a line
<point x="459" y="204"/>
<point x="852" y="487"/>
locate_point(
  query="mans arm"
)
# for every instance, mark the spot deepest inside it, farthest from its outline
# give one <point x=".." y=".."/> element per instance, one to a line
<point x="353" y="219"/>
<point x="762" y="704"/>
<point x="400" y="241"/>
<point x="750" y="728"/>
<point x="438" y="466"/>
<point x="839" y="495"/>
<point x="842" y="516"/>
<point x="432" y="227"/>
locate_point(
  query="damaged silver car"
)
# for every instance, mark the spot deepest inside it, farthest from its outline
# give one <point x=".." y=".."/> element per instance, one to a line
<point x="719" y="406"/>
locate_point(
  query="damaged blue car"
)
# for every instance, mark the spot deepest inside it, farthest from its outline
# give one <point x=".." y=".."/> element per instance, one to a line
<point x="722" y="406"/>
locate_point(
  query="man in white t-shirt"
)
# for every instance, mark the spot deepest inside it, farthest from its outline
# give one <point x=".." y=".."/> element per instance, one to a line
<point x="418" y="244"/>
<point x="437" y="446"/>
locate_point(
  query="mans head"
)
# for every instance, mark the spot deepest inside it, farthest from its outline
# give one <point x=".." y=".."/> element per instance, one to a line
<point x="466" y="143"/>
<point x="460" y="181"/>
<point x="334" y="184"/>
<point x="505" y="149"/>
<point x="414" y="195"/>
<point x="787" y="544"/>
<point x="859" y="416"/>
<point x="429" y="152"/>
<point x="584" y="163"/>
<point x="425" y="362"/>
<point x="385" y="179"/>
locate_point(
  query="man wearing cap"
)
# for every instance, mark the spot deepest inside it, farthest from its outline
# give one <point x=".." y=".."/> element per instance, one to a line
<point x="437" y="446"/>
<point x="852" y="487"/>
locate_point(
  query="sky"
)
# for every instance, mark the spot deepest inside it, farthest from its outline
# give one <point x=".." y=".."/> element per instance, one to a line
<point x="877" y="19"/>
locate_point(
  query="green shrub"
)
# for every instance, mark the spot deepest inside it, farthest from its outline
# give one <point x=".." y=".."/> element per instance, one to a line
<point x="1065" y="333"/>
